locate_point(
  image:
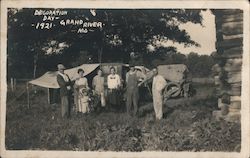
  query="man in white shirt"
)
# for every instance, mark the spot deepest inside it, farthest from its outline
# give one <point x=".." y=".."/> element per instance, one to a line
<point x="158" y="86"/>
<point x="114" y="83"/>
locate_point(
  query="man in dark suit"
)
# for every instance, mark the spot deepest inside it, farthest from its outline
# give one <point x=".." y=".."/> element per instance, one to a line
<point x="65" y="91"/>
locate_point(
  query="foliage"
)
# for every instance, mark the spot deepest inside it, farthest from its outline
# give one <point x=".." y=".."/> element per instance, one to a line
<point x="124" y="31"/>
<point x="198" y="65"/>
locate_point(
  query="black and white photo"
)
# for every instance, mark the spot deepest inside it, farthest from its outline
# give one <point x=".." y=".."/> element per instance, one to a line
<point x="125" y="79"/>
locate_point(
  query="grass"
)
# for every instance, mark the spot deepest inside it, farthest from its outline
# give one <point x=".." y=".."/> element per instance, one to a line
<point x="187" y="126"/>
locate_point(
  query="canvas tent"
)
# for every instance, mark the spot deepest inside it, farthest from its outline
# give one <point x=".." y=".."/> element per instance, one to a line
<point x="48" y="80"/>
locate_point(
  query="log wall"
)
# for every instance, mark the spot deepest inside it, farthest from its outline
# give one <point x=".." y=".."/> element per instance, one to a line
<point x="227" y="71"/>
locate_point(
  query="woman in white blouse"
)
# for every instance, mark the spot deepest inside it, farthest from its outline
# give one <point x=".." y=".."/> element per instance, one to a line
<point x="81" y="87"/>
<point x="114" y="84"/>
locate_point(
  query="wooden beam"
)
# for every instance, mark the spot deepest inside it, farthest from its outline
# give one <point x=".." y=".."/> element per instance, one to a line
<point x="48" y="95"/>
<point x="230" y="43"/>
<point x="232" y="28"/>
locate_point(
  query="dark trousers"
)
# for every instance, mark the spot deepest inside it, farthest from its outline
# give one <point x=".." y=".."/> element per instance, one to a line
<point x="65" y="106"/>
<point x="132" y="100"/>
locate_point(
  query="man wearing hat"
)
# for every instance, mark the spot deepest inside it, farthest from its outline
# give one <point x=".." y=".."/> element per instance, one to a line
<point x="132" y="91"/>
<point x="65" y="90"/>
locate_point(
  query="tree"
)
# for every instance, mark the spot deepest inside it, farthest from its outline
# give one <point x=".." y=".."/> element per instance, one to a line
<point x="200" y="65"/>
<point x="125" y="31"/>
<point x="133" y="30"/>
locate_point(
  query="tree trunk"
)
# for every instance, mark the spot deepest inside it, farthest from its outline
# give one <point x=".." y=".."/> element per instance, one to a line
<point x="100" y="54"/>
<point x="35" y="65"/>
<point x="34" y="71"/>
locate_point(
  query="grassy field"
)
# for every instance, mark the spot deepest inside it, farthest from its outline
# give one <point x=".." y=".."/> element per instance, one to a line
<point x="188" y="125"/>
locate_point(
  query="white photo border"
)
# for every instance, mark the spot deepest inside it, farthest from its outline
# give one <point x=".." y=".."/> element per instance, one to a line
<point x="245" y="119"/>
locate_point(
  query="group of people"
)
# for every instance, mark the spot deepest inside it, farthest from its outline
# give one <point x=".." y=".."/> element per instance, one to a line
<point x="108" y="92"/>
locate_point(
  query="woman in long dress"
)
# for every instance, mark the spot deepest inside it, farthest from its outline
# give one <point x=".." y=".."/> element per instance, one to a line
<point x="81" y="87"/>
<point x="98" y="86"/>
<point x="114" y="84"/>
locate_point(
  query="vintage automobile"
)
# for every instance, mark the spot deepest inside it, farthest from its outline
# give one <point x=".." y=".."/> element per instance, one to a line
<point x="179" y="82"/>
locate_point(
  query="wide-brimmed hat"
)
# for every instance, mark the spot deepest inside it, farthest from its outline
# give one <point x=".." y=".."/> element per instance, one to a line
<point x="60" y="67"/>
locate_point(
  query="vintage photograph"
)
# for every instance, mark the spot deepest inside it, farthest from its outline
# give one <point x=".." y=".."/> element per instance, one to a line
<point x="124" y="80"/>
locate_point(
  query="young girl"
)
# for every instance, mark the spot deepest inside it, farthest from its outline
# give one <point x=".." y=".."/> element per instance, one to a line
<point x="83" y="100"/>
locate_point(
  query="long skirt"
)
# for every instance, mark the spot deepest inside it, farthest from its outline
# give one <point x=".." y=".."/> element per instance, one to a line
<point x="114" y="97"/>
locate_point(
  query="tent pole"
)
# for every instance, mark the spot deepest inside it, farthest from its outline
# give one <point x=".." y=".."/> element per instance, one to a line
<point x="28" y="94"/>
<point x="48" y="96"/>
<point x="12" y="84"/>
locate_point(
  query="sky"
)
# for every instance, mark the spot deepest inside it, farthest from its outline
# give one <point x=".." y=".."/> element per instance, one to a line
<point x="204" y="35"/>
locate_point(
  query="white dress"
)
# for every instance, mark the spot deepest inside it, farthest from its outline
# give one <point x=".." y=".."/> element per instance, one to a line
<point x="83" y="98"/>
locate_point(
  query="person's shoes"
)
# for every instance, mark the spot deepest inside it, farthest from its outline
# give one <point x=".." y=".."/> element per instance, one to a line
<point x="157" y="120"/>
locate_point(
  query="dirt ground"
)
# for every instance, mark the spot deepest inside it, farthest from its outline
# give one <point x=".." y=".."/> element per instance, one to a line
<point x="188" y="125"/>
